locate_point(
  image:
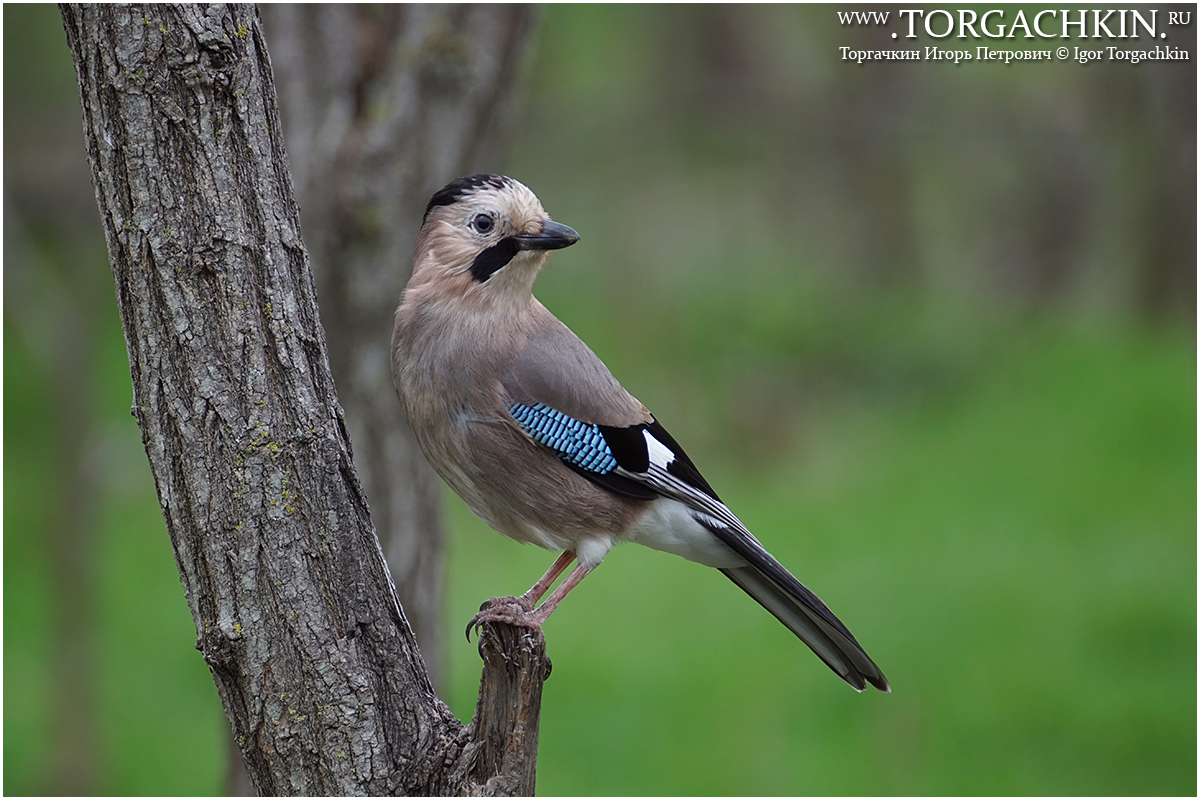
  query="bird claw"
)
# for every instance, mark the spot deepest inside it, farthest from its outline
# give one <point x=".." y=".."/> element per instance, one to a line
<point x="512" y="610"/>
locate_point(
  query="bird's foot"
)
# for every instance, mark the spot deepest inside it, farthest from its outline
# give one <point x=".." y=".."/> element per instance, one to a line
<point x="517" y="611"/>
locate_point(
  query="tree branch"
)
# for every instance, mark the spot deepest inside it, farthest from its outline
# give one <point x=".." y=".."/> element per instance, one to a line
<point x="502" y="759"/>
<point x="296" y="616"/>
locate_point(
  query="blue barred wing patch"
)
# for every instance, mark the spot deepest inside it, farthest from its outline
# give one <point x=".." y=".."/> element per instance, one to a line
<point x="580" y="444"/>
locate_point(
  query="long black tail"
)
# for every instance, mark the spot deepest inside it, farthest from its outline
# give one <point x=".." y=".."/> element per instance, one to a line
<point x="778" y="591"/>
<point x="810" y="619"/>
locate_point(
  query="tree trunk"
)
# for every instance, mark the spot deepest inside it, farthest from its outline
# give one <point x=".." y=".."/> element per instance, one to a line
<point x="312" y="656"/>
<point x="381" y="106"/>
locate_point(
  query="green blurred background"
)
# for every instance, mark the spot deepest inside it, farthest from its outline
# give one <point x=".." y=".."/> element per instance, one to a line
<point x="930" y="331"/>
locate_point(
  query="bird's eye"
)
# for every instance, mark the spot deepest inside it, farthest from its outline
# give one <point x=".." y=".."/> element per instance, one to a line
<point x="483" y="223"/>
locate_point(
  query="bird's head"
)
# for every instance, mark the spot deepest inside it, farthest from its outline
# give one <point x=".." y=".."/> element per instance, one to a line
<point x="485" y="236"/>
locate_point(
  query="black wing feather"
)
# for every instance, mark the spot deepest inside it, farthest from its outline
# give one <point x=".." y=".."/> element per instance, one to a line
<point x="617" y="484"/>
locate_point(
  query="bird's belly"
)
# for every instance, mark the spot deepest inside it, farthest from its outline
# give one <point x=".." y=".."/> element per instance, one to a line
<point x="506" y="518"/>
<point x="533" y="501"/>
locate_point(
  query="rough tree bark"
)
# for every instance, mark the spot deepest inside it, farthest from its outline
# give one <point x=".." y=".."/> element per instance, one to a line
<point x="296" y="616"/>
<point x="382" y="105"/>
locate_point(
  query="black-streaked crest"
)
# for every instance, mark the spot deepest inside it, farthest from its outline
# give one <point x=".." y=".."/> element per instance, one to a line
<point x="454" y="191"/>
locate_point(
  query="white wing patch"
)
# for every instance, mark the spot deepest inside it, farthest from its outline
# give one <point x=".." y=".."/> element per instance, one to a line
<point x="660" y="455"/>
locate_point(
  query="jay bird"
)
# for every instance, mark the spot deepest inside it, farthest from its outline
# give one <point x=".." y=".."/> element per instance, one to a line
<point x="539" y="439"/>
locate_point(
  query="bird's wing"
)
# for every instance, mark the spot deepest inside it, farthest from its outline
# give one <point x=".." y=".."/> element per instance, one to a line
<point x="644" y="461"/>
<point x="565" y="399"/>
<point x="560" y="394"/>
<point x="554" y="366"/>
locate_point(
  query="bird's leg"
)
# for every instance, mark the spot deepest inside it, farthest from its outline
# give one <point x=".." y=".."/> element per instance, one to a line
<point x="515" y="610"/>
<point x="535" y="593"/>
<point x="543" y="611"/>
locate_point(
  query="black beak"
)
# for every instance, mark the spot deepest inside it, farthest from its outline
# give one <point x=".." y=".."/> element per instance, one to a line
<point x="554" y="236"/>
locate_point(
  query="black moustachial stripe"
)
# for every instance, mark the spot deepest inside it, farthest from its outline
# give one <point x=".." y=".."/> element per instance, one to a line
<point x="493" y="258"/>
<point x="452" y="192"/>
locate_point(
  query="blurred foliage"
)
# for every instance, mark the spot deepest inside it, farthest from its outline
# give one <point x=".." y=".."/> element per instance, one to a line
<point x="928" y="329"/>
